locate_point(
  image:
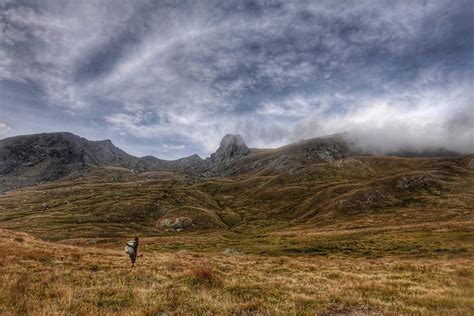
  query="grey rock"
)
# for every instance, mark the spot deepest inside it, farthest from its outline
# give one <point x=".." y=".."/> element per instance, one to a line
<point x="231" y="147"/>
<point x="178" y="223"/>
<point x="413" y="182"/>
<point x="327" y="151"/>
<point x="231" y="252"/>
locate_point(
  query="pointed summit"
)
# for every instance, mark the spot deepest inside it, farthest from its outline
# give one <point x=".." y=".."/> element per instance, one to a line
<point x="231" y="147"/>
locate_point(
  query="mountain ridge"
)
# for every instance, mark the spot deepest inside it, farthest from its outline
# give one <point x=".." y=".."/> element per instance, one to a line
<point x="31" y="159"/>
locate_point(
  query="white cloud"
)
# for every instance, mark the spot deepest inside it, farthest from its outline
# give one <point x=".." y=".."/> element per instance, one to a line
<point x="5" y="130"/>
<point x="169" y="147"/>
<point x="391" y="123"/>
<point x="199" y="71"/>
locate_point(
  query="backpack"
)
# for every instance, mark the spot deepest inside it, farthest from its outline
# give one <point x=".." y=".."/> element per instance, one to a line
<point x="130" y="247"/>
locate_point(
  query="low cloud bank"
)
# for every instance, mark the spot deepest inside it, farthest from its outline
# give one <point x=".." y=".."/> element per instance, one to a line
<point x="403" y="122"/>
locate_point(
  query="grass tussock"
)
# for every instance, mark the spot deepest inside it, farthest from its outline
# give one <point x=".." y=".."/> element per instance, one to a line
<point x="203" y="276"/>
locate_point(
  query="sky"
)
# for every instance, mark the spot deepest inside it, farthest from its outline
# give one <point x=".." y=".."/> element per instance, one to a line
<point x="171" y="78"/>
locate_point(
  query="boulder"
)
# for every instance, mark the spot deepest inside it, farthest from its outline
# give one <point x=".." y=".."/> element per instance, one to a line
<point x="413" y="182"/>
<point x="178" y="223"/>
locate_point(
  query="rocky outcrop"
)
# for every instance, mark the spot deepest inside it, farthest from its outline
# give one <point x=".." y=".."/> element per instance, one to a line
<point x="231" y="147"/>
<point x="327" y="151"/>
<point x="418" y="181"/>
<point x="178" y="223"/>
<point x="468" y="161"/>
<point x="364" y="199"/>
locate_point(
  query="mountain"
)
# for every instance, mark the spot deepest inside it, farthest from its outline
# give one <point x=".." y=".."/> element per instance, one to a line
<point x="32" y="159"/>
<point x="287" y="159"/>
<point x="192" y="164"/>
<point x="231" y="147"/>
<point x="62" y="148"/>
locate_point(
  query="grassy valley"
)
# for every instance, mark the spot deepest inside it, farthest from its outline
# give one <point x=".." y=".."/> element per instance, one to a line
<point x="272" y="232"/>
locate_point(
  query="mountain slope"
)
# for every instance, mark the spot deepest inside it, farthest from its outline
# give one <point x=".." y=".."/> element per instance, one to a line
<point x="289" y="158"/>
<point x="31" y="159"/>
<point x="354" y="191"/>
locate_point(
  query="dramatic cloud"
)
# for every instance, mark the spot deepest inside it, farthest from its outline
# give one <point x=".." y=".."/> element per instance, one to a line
<point x="170" y="78"/>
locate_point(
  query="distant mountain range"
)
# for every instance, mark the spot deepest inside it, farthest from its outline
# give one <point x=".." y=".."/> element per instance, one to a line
<point x="32" y="159"/>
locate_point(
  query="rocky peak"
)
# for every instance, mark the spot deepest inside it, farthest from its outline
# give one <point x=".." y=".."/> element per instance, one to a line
<point x="230" y="148"/>
<point x="58" y="154"/>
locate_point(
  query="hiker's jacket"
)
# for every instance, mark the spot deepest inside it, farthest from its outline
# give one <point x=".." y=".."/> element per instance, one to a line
<point x="134" y="245"/>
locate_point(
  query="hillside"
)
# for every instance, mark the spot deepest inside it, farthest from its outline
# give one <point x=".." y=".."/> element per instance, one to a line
<point x="346" y="193"/>
<point x="318" y="184"/>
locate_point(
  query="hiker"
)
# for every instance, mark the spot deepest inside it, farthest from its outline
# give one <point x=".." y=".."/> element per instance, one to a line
<point x="131" y="249"/>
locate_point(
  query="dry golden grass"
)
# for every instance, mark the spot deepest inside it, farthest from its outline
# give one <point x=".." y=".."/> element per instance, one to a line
<point x="39" y="278"/>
